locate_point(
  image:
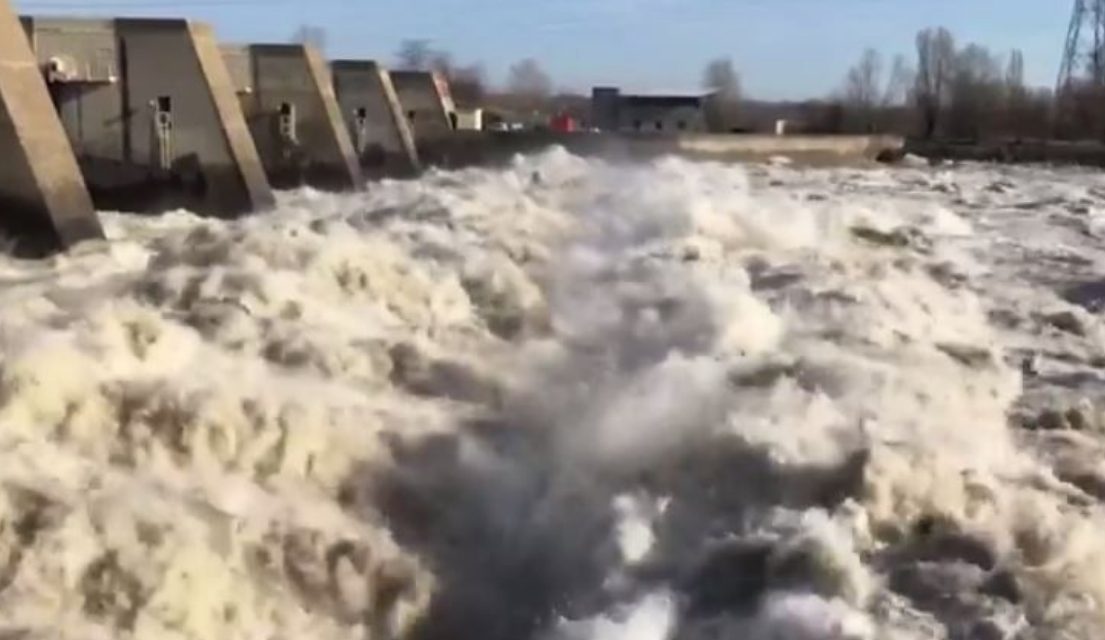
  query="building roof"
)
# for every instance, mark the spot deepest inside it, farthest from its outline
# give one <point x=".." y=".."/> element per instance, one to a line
<point x="665" y="100"/>
<point x="701" y="93"/>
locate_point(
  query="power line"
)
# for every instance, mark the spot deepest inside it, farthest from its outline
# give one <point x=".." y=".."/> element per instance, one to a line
<point x="1084" y="50"/>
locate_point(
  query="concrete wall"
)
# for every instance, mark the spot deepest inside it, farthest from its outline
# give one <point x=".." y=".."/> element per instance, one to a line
<point x="44" y="205"/>
<point x="105" y="78"/>
<point x="425" y="99"/>
<point x="469" y="148"/>
<point x="382" y="138"/>
<point x="273" y="77"/>
<point x="90" y="104"/>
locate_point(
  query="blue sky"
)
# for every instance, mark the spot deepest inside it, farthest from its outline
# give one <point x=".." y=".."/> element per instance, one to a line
<point x="782" y="48"/>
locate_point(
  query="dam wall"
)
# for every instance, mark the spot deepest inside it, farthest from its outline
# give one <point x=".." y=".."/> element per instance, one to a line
<point x="469" y="148"/>
<point x="287" y="97"/>
<point x="369" y="103"/>
<point x="427" y="103"/>
<point x="150" y="112"/>
<point x="44" y="204"/>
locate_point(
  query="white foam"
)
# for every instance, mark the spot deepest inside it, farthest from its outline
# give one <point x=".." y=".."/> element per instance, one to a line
<point x="193" y="417"/>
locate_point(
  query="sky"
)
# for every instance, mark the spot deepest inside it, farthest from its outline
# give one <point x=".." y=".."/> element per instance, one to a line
<point x="783" y="49"/>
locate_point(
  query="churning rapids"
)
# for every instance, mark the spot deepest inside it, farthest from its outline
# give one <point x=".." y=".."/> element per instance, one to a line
<point x="569" y="400"/>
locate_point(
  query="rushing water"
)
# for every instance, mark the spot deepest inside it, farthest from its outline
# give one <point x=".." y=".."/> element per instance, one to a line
<point x="569" y="401"/>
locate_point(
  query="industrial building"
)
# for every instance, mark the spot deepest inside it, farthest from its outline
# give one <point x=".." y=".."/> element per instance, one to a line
<point x="369" y="104"/>
<point x="44" y="205"/>
<point x="611" y="110"/>
<point x="287" y="96"/>
<point x="151" y="114"/>
<point x="469" y="119"/>
<point x="427" y="103"/>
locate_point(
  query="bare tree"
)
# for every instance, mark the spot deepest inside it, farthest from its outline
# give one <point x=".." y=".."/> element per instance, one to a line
<point x="863" y="89"/>
<point x="1014" y="72"/>
<point x="975" y="93"/>
<point x="935" y="65"/>
<point x="1016" y="118"/>
<point x="310" y="35"/>
<point x="529" y="82"/>
<point x="414" y="55"/>
<point x="897" y="85"/>
<point x="468" y="84"/>
<point x="721" y="77"/>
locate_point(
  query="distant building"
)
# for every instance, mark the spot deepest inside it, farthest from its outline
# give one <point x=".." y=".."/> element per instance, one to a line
<point x="563" y="123"/>
<point x="611" y="110"/>
<point x="469" y="119"/>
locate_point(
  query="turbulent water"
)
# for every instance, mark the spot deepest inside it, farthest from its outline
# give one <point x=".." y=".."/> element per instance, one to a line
<point x="569" y="400"/>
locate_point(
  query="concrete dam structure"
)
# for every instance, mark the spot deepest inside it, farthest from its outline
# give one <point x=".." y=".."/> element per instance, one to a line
<point x="369" y="103"/>
<point x="288" y="99"/>
<point x="147" y="115"/>
<point x="44" y="205"/>
<point x="427" y="103"/>
<point x="151" y="114"/>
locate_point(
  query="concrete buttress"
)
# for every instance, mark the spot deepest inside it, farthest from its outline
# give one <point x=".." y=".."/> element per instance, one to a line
<point x="287" y="94"/>
<point x="44" y="205"/>
<point x="151" y="113"/>
<point x="370" y="106"/>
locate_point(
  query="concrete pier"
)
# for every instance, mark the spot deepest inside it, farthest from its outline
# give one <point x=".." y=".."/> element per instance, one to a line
<point x="44" y="205"/>
<point x="379" y="129"/>
<point x="425" y="99"/>
<point x="288" y="98"/>
<point x="151" y="114"/>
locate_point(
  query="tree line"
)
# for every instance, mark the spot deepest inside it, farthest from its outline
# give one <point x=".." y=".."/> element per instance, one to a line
<point x="958" y="92"/>
<point x="947" y="90"/>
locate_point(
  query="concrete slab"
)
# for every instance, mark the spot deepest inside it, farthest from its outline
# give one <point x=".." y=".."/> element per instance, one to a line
<point x="489" y="148"/>
<point x="44" y="205"/>
<point x="287" y="94"/>
<point x="151" y="113"/>
<point x="427" y="103"/>
<point x="370" y="106"/>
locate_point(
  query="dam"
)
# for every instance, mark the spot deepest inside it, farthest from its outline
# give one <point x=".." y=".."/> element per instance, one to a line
<point x="147" y="115"/>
